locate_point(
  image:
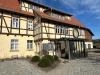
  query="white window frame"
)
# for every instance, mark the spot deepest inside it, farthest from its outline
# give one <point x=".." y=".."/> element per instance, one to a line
<point x="15" y="22"/>
<point x="14" y="44"/>
<point x="63" y="30"/>
<point x="58" y="29"/>
<point x="29" y="44"/>
<point x="30" y="24"/>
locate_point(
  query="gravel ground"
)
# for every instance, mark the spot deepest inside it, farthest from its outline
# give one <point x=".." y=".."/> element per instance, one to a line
<point x="85" y="66"/>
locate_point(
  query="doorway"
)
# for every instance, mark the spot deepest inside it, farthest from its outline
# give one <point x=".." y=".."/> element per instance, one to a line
<point x="77" y="49"/>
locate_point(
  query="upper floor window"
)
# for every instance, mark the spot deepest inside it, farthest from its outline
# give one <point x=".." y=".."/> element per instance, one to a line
<point x="15" y="22"/>
<point x="30" y="24"/>
<point x="67" y="31"/>
<point x="62" y="30"/>
<point x="58" y="29"/>
<point x="81" y="32"/>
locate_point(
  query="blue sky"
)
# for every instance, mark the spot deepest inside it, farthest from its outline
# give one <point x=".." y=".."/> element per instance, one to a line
<point x="87" y="11"/>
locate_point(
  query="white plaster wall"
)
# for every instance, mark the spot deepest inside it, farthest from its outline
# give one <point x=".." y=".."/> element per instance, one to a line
<point x="87" y="43"/>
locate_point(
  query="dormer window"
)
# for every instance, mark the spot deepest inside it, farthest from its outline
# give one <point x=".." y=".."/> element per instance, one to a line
<point x="30" y="6"/>
<point x="30" y="24"/>
<point x="35" y="7"/>
<point x="68" y="18"/>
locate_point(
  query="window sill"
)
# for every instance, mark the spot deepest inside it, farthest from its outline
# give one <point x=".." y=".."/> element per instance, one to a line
<point x="14" y="50"/>
<point x="15" y="27"/>
<point x="29" y="49"/>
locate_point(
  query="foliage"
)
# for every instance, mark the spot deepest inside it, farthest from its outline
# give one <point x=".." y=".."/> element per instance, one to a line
<point x="35" y="59"/>
<point x="96" y="43"/>
<point x="48" y="57"/>
<point x="44" y="62"/>
<point x="56" y="58"/>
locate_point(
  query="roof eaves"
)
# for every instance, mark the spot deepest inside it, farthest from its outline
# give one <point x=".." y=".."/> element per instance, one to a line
<point x="11" y="10"/>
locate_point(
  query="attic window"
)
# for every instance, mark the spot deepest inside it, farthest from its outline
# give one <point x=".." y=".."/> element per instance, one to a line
<point x="30" y="6"/>
<point x="68" y="18"/>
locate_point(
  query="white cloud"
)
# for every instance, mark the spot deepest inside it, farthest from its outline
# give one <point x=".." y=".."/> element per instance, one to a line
<point x="83" y="6"/>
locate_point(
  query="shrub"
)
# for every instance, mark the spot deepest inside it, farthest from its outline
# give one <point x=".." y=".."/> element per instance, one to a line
<point x="47" y="60"/>
<point x="56" y="58"/>
<point x="35" y="59"/>
<point x="44" y="62"/>
<point x="49" y="57"/>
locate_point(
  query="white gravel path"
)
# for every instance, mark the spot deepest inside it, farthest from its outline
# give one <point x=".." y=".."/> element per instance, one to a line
<point x="85" y="66"/>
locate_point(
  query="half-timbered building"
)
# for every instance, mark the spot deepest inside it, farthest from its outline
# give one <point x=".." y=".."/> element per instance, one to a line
<point x="28" y="28"/>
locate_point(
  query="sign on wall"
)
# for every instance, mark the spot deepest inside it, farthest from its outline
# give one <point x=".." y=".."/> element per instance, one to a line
<point x="75" y="33"/>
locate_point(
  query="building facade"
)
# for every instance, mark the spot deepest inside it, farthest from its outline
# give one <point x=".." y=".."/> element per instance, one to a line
<point x="28" y="28"/>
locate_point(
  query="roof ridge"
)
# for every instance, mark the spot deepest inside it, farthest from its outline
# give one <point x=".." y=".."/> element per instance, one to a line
<point x="50" y="7"/>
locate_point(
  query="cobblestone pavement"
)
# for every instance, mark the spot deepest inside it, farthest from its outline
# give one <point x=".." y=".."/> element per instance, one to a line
<point x="85" y="66"/>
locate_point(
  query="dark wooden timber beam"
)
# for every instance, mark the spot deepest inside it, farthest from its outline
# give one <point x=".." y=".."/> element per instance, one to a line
<point x="6" y="24"/>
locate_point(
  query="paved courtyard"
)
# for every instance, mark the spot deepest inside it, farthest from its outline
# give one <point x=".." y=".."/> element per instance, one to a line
<point x="84" y="66"/>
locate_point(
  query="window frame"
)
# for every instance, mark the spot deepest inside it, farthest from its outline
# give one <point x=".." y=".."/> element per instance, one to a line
<point x="14" y="44"/>
<point x="57" y="29"/>
<point x="16" y="23"/>
<point x="30" y="26"/>
<point x="30" y="6"/>
<point x="29" y="44"/>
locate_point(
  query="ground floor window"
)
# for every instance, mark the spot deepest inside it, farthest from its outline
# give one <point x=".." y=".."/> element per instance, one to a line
<point x="29" y="44"/>
<point x="14" y="44"/>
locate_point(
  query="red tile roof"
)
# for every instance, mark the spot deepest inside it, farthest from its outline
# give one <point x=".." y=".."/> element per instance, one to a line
<point x="73" y="20"/>
<point x="14" y="6"/>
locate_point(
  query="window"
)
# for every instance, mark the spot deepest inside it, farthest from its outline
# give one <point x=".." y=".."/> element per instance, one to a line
<point x="15" y="22"/>
<point x="36" y="8"/>
<point x="58" y="29"/>
<point x="30" y="6"/>
<point x="30" y="24"/>
<point x="14" y="44"/>
<point x="67" y="32"/>
<point x="48" y="46"/>
<point x="68" y="18"/>
<point x="29" y="44"/>
<point x="81" y="32"/>
<point x="62" y="30"/>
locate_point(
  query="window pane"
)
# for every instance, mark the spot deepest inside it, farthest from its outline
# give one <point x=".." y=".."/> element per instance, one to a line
<point x="14" y="44"/>
<point x="29" y="44"/>
<point x="30" y="24"/>
<point x="15" y="22"/>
